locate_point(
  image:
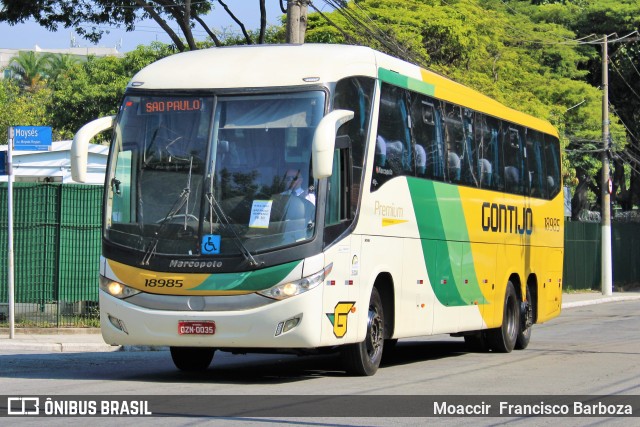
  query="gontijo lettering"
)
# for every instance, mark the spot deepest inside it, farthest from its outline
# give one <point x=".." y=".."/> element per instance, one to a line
<point x="506" y="219"/>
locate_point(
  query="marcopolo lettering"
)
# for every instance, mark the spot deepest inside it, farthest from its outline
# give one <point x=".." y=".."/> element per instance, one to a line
<point x="195" y="264"/>
<point x="499" y="218"/>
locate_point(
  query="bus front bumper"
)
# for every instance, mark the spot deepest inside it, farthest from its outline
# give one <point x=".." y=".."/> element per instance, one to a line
<point x="123" y="323"/>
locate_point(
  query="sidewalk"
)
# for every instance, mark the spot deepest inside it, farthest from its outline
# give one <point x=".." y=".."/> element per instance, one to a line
<point x="90" y="339"/>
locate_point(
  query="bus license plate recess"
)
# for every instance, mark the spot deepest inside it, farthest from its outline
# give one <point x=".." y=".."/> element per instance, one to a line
<point x="200" y="327"/>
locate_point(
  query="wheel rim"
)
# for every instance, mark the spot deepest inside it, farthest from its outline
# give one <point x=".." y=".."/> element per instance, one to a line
<point x="512" y="313"/>
<point x="375" y="335"/>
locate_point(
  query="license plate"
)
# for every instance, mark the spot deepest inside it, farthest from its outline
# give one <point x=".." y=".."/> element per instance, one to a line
<point x="189" y="327"/>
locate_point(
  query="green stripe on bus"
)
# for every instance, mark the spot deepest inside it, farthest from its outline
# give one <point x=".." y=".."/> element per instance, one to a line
<point x="444" y="237"/>
<point x="247" y="281"/>
<point x="406" y="82"/>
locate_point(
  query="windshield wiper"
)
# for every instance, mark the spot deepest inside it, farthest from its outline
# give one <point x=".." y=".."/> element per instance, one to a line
<point x="226" y="224"/>
<point x="182" y="200"/>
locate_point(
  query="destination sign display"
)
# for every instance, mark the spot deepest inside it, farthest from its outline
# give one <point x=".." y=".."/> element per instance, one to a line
<point x="170" y="105"/>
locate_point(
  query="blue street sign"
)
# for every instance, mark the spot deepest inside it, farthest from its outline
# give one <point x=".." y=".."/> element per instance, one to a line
<point x="31" y="138"/>
<point x="3" y="162"/>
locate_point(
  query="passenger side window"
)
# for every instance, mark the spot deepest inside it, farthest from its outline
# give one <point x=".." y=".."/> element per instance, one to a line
<point x="454" y="142"/>
<point x="536" y="185"/>
<point x="514" y="166"/>
<point x="426" y="119"/>
<point x="393" y="152"/>
<point x="487" y="153"/>
<point x="552" y="160"/>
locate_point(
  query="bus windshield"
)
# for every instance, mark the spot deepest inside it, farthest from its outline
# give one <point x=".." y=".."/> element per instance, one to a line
<point x="207" y="175"/>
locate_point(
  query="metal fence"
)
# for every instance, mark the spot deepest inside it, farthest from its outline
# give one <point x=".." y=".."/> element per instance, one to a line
<point x="56" y="254"/>
<point x="582" y="258"/>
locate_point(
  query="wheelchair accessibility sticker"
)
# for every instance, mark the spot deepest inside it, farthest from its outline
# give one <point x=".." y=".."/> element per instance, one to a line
<point x="210" y="244"/>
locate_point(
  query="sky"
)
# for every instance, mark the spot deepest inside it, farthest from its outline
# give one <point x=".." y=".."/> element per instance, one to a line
<point x="27" y="35"/>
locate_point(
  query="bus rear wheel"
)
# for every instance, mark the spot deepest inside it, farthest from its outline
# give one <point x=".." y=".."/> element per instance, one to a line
<point x="363" y="359"/>
<point x="526" y="322"/>
<point x="503" y="339"/>
<point x="192" y="359"/>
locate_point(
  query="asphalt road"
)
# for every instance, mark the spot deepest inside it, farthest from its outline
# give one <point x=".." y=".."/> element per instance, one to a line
<point x="591" y="350"/>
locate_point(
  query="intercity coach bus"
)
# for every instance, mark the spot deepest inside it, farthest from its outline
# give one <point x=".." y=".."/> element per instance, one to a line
<point x="316" y="198"/>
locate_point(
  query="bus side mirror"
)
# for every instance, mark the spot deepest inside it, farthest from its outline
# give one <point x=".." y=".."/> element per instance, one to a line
<point x="324" y="140"/>
<point x="80" y="146"/>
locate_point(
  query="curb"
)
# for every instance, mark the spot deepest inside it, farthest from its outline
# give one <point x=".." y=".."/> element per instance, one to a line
<point x="60" y="347"/>
<point x="600" y="301"/>
<point x="73" y="347"/>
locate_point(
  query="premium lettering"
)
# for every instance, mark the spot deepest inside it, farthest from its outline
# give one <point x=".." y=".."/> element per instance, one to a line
<point x="388" y="210"/>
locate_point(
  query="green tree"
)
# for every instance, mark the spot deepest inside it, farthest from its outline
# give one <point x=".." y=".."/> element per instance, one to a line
<point x="22" y="108"/>
<point x="90" y="17"/>
<point x="89" y="90"/>
<point x="93" y="89"/>
<point x="29" y="69"/>
<point x="60" y="64"/>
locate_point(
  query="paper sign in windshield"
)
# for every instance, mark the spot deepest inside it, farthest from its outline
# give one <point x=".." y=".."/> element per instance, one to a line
<point x="260" y="214"/>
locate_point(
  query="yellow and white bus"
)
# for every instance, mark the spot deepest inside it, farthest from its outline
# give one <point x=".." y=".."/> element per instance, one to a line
<point x="322" y="198"/>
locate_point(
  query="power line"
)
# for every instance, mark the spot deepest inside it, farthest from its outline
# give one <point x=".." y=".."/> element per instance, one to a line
<point x="364" y="26"/>
<point x="622" y="121"/>
<point x="625" y="81"/>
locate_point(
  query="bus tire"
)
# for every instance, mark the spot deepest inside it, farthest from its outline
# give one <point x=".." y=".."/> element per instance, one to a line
<point x="192" y="359"/>
<point x="363" y="359"/>
<point x="526" y="318"/>
<point x="503" y="339"/>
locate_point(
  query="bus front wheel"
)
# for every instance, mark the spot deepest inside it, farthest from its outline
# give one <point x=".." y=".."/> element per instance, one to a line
<point x="503" y="339"/>
<point x="192" y="359"/>
<point x="363" y="359"/>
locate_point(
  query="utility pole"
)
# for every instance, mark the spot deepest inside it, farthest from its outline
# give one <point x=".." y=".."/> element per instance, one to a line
<point x="297" y="20"/>
<point x="606" y="262"/>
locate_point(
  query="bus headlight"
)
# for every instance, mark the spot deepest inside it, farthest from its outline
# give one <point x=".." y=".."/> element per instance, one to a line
<point x="116" y="289"/>
<point x="296" y="287"/>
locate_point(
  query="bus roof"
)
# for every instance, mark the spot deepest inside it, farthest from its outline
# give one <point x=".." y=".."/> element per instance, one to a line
<point x="260" y="66"/>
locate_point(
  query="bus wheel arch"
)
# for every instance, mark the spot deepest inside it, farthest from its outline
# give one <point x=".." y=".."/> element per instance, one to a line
<point x="384" y="285"/>
<point x="363" y="358"/>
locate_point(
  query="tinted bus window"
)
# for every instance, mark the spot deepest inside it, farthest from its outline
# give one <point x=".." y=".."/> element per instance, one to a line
<point x="487" y="140"/>
<point x="552" y="160"/>
<point x="393" y="152"/>
<point x="513" y="151"/>
<point x="536" y="165"/>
